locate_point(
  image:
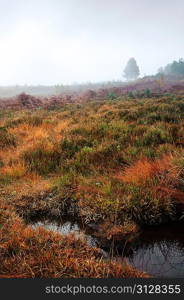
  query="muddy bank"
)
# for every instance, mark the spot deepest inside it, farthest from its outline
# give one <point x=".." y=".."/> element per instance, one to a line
<point x="106" y="236"/>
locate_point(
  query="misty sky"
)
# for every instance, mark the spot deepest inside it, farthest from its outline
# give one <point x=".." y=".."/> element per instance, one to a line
<point x="66" y="41"/>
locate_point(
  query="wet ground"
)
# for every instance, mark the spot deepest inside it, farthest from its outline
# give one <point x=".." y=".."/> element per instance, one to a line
<point x="158" y="251"/>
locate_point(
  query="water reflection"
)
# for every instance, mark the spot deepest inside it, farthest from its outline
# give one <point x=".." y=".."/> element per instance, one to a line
<point x="67" y="228"/>
<point x="160" y="251"/>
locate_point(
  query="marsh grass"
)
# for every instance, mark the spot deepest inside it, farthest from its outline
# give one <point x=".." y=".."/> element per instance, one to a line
<point x="32" y="253"/>
<point x="117" y="164"/>
<point x="6" y="138"/>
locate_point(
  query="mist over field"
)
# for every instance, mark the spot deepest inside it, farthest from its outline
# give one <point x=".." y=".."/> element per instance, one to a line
<point x="92" y="139"/>
<point x="61" y="42"/>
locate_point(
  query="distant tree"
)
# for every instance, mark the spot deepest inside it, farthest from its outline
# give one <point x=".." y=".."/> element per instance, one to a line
<point x="176" y="68"/>
<point x="131" y="70"/>
<point x="161" y="70"/>
<point x="167" y="69"/>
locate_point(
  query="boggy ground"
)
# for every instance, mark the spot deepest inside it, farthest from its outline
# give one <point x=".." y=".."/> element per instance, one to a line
<point x="115" y="165"/>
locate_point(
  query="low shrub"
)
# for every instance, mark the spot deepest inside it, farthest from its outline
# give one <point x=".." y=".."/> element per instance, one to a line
<point x="41" y="160"/>
<point x="6" y="139"/>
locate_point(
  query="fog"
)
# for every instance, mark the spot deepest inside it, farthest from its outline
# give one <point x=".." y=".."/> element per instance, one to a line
<point x="66" y="41"/>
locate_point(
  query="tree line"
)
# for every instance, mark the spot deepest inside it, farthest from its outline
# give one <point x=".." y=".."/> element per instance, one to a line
<point x="176" y="68"/>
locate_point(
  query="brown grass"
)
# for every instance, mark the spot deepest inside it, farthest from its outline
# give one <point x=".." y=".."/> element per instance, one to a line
<point x="29" y="253"/>
<point x="113" y="161"/>
<point x="145" y="169"/>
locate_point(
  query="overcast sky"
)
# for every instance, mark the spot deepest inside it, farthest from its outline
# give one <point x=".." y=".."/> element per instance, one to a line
<point x="66" y="41"/>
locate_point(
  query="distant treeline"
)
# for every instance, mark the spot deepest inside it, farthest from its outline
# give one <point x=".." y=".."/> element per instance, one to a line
<point x="171" y="72"/>
<point x="176" y="68"/>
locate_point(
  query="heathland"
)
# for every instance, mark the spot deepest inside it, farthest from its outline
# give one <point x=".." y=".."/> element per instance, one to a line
<point x="115" y="163"/>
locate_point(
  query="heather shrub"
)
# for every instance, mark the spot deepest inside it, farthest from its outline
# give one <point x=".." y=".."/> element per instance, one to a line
<point x="156" y="136"/>
<point x="42" y="160"/>
<point x="112" y="96"/>
<point x="147" y="93"/>
<point x="69" y="147"/>
<point x="6" y="139"/>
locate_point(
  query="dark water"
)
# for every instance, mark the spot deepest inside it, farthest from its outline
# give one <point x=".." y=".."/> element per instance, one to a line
<point x="158" y="251"/>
